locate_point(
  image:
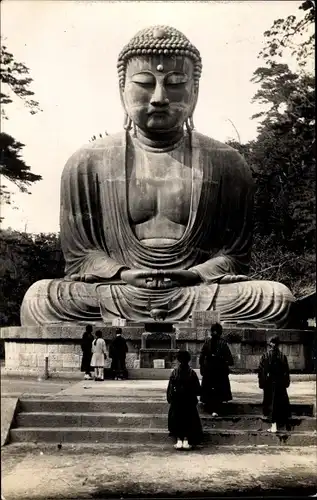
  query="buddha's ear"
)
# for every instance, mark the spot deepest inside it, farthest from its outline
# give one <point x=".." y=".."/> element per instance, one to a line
<point x="121" y="92"/>
<point x="194" y="100"/>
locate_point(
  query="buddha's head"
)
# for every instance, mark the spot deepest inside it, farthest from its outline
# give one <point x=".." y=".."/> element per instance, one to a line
<point x="159" y="73"/>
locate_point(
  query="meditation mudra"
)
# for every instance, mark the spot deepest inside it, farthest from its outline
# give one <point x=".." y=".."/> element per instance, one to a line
<point x="158" y="212"/>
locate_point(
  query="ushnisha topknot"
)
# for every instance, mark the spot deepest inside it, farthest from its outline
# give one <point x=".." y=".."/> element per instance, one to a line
<point x="161" y="40"/>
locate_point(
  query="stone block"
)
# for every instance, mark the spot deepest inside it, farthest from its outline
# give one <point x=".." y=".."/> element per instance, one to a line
<point x="252" y="361"/>
<point x="69" y="358"/>
<point x="71" y="364"/>
<point x="40" y="348"/>
<point x="27" y="360"/>
<point x="130" y="359"/>
<point x="54" y="360"/>
<point x="53" y="348"/>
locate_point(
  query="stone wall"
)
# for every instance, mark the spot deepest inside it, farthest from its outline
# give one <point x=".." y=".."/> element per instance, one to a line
<point x="26" y="347"/>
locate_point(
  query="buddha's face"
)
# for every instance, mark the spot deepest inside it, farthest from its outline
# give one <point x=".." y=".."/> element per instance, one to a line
<point x="159" y="93"/>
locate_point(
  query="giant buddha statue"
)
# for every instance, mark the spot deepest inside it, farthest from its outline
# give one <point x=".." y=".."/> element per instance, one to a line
<point x="157" y="213"/>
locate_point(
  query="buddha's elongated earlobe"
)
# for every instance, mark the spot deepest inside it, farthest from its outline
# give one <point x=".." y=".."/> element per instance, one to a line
<point x="134" y="129"/>
<point x="127" y="122"/>
<point x="190" y="124"/>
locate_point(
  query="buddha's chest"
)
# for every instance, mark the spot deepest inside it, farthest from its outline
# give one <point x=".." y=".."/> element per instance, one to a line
<point x="159" y="184"/>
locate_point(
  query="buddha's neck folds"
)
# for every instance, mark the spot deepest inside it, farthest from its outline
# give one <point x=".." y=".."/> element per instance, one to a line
<point x="159" y="141"/>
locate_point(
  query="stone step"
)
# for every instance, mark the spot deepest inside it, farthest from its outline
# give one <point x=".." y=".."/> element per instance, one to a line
<point x="149" y="421"/>
<point x="121" y="435"/>
<point x="129" y="405"/>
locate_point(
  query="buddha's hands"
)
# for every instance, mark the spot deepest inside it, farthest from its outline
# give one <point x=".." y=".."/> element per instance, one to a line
<point x="86" y="278"/>
<point x="233" y="278"/>
<point x="159" y="279"/>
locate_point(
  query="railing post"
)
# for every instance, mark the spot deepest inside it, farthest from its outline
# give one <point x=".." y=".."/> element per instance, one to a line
<point x="46" y="367"/>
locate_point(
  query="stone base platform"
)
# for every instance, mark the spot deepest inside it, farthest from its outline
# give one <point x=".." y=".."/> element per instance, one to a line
<point x="27" y="349"/>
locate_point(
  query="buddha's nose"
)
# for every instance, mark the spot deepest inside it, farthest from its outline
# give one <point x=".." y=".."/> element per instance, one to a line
<point x="159" y="97"/>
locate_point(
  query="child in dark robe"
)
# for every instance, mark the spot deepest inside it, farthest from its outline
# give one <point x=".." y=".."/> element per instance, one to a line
<point x="183" y="419"/>
<point x="117" y="352"/>
<point x="214" y="360"/>
<point x="86" y="343"/>
<point x="274" y="379"/>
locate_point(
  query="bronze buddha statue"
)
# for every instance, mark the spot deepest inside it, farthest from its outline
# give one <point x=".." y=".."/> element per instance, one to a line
<point x="157" y="212"/>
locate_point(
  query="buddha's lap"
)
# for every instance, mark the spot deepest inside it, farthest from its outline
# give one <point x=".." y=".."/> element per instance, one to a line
<point x="242" y="291"/>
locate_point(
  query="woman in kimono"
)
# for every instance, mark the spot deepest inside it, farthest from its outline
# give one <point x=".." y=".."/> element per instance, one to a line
<point x="86" y="344"/>
<point x="183" y="419"/>
<point x="274" y="379"/>
<point x="98" y="356"/>
<point x="214" y="360"/>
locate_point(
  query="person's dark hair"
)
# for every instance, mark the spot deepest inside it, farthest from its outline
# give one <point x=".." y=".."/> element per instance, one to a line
<point x="183" y="357"/>
<point x="89" y="328"/>
<point x="275" y="341"/>
<point x="217" y="328"/>
<point x="118" y="331"/>
<point x="98" y="334"/>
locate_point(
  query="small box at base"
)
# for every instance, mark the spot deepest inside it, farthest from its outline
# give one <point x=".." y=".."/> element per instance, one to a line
<point x="159" y="363"/>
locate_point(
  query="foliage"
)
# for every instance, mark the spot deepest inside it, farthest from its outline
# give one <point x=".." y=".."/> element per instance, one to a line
<point x="15" y="82"/>
<point x="296" y="34"/>
<point x="13" y="167"/>
<point x="24" y="259"/>
<point x="282" y="159"/>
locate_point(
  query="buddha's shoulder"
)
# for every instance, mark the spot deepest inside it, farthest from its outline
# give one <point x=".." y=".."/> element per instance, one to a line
<point x="101" y="144"/>
<point x="212" y="145"/>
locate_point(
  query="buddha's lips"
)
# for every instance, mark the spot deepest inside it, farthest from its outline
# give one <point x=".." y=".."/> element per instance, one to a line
<point x="159" y="112"/>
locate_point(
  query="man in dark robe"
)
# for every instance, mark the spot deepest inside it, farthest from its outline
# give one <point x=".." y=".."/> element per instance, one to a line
<point x="117" y="352"/>
<point x="274" y="379"/>
<point x="86" y="343"/>
<point x="214" y="360"/>
<point x="183" y="419"/>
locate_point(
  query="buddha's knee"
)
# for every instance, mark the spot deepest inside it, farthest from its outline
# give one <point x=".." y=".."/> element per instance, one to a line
<point x="34" y="305"/>
<point x="39" y="290"/>
<point x="55" y="301"/>
<point x="278" y="290"/>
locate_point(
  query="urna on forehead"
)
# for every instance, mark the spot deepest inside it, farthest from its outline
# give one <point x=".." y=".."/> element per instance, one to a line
<point x="160" y="41"/>
<point x="160" y="64"/>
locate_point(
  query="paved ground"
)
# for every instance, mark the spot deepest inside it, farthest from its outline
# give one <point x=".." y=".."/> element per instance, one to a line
<point x="242" y="386"/>
<point x="77" y="471"/>
<point x="44" y="473"/>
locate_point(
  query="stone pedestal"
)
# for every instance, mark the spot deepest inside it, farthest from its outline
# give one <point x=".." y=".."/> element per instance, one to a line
<point x="27" y="347"/>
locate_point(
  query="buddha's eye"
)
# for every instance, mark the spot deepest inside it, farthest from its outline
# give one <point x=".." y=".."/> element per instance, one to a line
<point x="144" y="79"/>
<point x="176" y="79"/>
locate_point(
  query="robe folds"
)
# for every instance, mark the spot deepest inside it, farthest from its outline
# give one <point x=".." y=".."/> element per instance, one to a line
<point x="97" y="239"/>
<point x="274" y="379"/>
<point x="214" y="360"/>
<point x="183" y="417"/>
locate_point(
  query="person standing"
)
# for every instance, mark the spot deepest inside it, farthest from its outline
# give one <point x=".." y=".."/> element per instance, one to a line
<point x="98" y="356"/>
<point x="86" y="343"/>
<point x="274" y="379"/>
<point x="117" y="352"/>
<point x="183" y="419"/>
<point x="214" y="360"/>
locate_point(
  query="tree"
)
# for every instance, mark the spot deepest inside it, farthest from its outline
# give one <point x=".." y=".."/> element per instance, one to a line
<point x="284" y="155"/>
<point x="25" y="259"/>
<point x="15" y="82"/>
<point x="294" y="34"/>
<point x="13" y="167"/>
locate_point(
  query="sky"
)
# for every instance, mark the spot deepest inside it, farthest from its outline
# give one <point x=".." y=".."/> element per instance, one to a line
<point x="71" y="48"/>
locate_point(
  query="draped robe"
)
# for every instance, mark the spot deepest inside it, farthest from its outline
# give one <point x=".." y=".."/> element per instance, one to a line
<point x="97" y="239"/>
